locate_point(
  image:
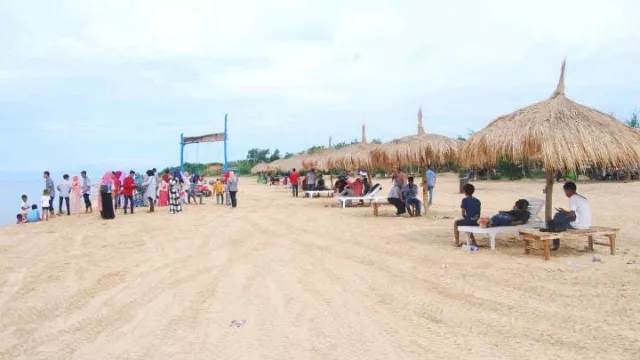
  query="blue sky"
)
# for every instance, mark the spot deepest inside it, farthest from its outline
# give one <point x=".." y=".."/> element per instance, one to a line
<point x="111" y="84"/>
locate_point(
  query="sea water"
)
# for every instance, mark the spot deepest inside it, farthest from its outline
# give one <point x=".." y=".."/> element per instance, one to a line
<point x="14" y="185"/>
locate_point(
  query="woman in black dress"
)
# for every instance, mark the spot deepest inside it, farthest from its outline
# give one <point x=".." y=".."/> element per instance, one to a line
<point x="106" y="199"/>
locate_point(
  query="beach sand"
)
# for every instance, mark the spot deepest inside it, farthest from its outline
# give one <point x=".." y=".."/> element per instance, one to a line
<point x="309" y="282"/>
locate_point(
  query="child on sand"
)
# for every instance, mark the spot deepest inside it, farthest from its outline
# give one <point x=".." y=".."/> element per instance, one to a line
<point x="24" y="207"/>
<point x="34" y="214"/>
<point x="20" y="219"/>
<point x="470" y="213"/>
<point x="46" y="197"/>
<point x="218" y="189"/>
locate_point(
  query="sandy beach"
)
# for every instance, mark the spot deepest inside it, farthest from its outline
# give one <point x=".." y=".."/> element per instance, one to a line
<point x="305" y="281"/>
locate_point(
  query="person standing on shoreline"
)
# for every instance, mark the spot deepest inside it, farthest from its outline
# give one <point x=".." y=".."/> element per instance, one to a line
<point x="64" y="191"/>
<point x="76" y="195"/>
<point x="128" y="186"/>
<point x="50" y="187"/>
<point x="105" y="199"/>
<point x="86" y="192"/>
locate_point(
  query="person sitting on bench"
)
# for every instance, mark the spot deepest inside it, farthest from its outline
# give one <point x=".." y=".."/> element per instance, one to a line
<point x="410" y="194"/>
<point x="395" y="198"/>
<point x="321" y="185"/>
<point x="577" y="217"/>
<point x="470" y="213"/>
<point x="518" y="216"/>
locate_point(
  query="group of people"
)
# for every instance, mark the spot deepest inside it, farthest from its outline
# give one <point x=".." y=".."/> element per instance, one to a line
<point x="116" y="190"/>
<point x="310" y="182"/>
<point x="404" y="196"/>
<point x="578" y="216"/>
<point x="404" y="192"/>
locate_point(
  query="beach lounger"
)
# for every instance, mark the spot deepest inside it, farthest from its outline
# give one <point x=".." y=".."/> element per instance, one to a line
<point x="317" y="193"/>
<point x="535" y="206"/>
<point x="370" y="197"/>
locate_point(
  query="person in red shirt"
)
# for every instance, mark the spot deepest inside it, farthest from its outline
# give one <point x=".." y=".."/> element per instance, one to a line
<point x="128" y="186"/>
<point x="294" y="177"/>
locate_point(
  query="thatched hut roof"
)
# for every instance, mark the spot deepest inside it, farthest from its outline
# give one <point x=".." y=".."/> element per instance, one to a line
<point x="352" y="157"/>
<point x="260" y="168"/>
<point x="557" y="132"/>
<point x="317" y="160"/>
<point x="416" y="150"/>
<point x="294" y="162"/>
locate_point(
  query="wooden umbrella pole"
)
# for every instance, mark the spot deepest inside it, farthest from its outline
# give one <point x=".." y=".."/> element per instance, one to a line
<point x="548" y="190"/>
<point x="425" y="194"/>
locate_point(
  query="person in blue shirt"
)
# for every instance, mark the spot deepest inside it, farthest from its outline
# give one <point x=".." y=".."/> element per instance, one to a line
<point x="431" y="183"/>
<point x="470" y="213"/>
<point x="410" y="194"/>
<point x="34" y="214"/>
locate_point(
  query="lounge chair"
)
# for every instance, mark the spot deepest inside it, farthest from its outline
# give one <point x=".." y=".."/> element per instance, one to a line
<point x="535" y="206"/>
<point x="370" y="197"/>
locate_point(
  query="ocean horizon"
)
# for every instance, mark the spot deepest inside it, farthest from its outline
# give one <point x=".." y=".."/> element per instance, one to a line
<point x="15" y="184"/>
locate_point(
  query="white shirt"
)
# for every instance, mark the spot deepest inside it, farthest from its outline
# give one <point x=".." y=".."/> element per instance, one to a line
<point x="64" y="189"/>
<point x="580" y="206"/>
<point x="45" y="201"/>
<point x="24" y="208"/>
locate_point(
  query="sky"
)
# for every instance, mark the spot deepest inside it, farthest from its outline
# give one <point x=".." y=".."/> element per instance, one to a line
<point x="99" y="85"/>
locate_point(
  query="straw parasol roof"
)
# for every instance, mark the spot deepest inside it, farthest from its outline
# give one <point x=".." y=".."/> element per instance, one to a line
<point x="294" y="162"/>
<point x="260" y="168"/>
<point x="257" y="168"/>
<point x="559" y="133"/>
<point x="352" y="157"/>
<point x="416" y="150"/>
<point x="317" y="160"/>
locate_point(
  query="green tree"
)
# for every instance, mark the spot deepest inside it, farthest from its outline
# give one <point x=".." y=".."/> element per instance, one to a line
<point x="288" y="155"/>
<point x="376" y="141"/>
<point x="314" y="149"/>
<point x="255" y="156"/>
<point x="633" y="121"/>
<point x="275" y="156"/>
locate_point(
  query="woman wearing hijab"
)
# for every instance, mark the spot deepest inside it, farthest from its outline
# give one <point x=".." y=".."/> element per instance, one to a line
<point x="232" y="182"/>
<point x="150" y="189"/>
<point x="175" y="187"/>
<point x="76" y="195"/>
<point x="105" y="200"/>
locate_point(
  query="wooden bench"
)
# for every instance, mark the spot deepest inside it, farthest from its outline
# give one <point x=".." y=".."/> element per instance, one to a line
<point x="532" y="238"/>
<point x="376" y="205"/>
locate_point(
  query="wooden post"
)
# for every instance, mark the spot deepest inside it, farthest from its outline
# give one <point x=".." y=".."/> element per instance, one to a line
<point x="549" y="196"/>
<point x="425" y="193"/>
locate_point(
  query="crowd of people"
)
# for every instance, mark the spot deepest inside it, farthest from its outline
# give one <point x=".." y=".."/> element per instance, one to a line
<point x="403" y="194"/>
<point x="119" y="191"/>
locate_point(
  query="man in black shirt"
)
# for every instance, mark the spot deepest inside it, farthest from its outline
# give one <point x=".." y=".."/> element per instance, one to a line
<point x="518" y="216"/>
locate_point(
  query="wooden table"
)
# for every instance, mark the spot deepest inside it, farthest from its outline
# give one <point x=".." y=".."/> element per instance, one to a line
<point x="532" y="237"/>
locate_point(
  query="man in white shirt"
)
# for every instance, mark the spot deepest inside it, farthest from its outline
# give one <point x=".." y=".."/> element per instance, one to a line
<point x="311" y="179"/>
<point x="579" y="214"/>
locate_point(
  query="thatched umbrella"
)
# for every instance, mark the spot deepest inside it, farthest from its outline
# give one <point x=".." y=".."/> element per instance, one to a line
<point x="558" y="133"/>
<point x="416" y="150"/>
<point x="317" y="160"/>
<point x="260" y="168"/>
<point x="352" y="157"/>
